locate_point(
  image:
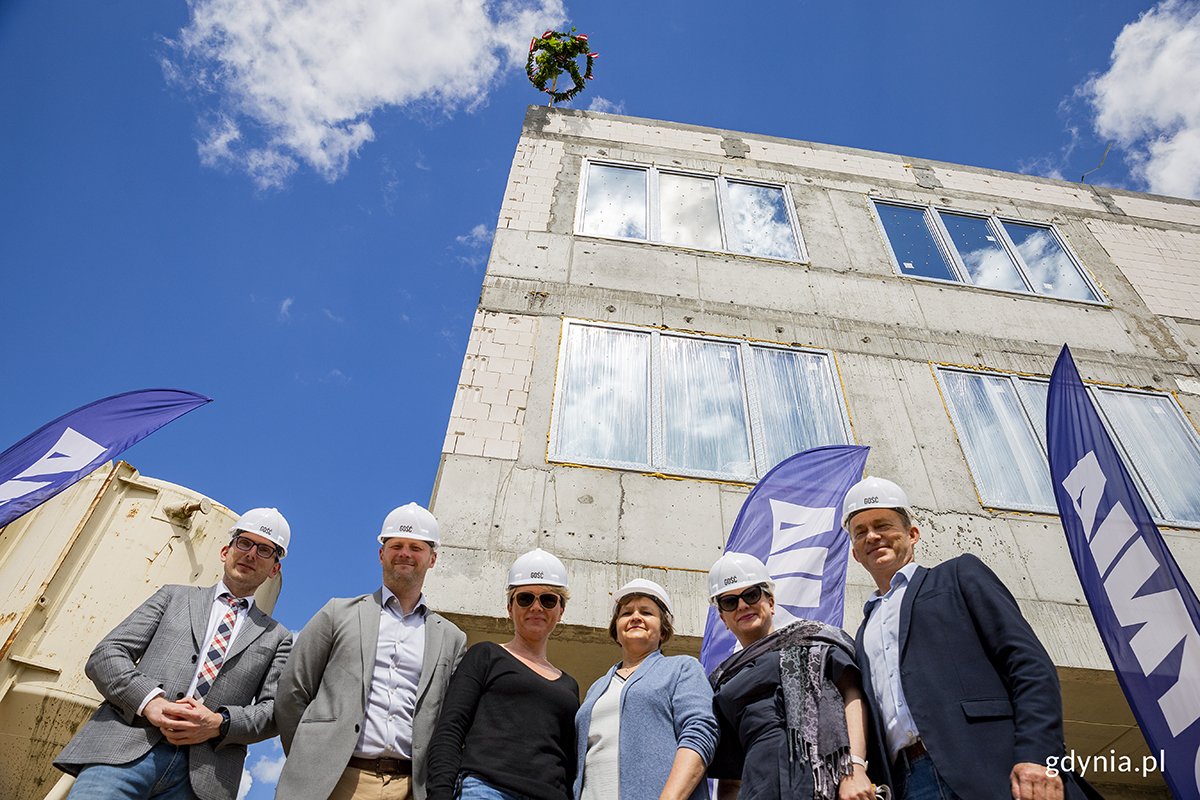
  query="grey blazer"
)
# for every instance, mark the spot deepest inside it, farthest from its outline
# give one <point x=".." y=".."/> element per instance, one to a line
<point x="159" y="645"/>
<point x="324" y="688"/>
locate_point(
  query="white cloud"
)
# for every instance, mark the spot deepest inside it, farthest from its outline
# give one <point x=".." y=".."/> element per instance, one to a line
<point x="297" y="81"/>
<point x="1149" y="99"/>
<point x="478" y="236"/>
<point x="285" y="308"/>
<point x="266" y="769"/>
<point x="332" y="317"/>
<point x="244" y="786"/>
<point x="603" y="104"/>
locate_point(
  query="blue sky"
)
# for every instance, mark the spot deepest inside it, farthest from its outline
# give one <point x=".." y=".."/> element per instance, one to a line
<point x="287" y="205"/>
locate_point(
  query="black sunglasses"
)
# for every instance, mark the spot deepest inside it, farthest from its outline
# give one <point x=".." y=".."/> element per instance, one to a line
<point x="547" y="601"/>
<point x="729" y="602"/>
<point x="264" y="550"/>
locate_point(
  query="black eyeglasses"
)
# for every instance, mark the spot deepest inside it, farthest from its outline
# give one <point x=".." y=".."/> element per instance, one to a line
<point x="547" y="601"/>
<point x="263" y="550"/>
<point x="729" y="602"/>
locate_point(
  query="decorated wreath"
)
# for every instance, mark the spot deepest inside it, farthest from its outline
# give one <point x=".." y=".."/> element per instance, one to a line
<point x="554" y="53"/>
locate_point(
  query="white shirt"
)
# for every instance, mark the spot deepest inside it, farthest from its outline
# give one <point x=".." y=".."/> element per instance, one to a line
<point x="601" y="765"/>
<point x="392" y="701"/>
<point x="215" y="615"/>
<point x="881" y="640"/>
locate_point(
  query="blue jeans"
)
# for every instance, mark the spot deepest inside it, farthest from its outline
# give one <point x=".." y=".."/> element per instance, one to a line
<point x="161" y="774"/>
<point x="472" y="788"/>
<point x="924" y="783"/>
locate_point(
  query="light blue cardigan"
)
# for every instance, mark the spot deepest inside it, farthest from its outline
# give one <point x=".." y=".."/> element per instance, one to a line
<point x="665" y="705"/>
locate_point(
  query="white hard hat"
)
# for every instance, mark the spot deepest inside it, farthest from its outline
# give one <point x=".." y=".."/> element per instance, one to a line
<point x="872" y="492"/>
<point x="646" y="587"/>
<point x="266" y="522"/>
<point x="736" y="571"/>
<point x="537" y="567"/>
<point x="410" y="521"/>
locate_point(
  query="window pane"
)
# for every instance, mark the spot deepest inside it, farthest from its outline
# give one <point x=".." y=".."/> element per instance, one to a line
<point x="704" y="410"/>
<point x="688" y="211"/>
<point x="616" y="202"/>
<point x="1050" y="268"/>
<point x="758" y="222"/>
<point x="1163" y="448"/>
<point x="1037" y="398"/>
<point x="800" y="408"/>
<point x="988" y="264"/>
<point x="1010" y="469"/>
<point x="913" y="241"/>
<point x="603" y="411"/>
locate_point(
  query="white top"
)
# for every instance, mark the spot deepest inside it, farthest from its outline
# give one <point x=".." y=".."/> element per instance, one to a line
<point x="881" y="640"/>
<point x="601" y="769"/>
<point x="215" y="615"/>
<point x="392" y="702"/>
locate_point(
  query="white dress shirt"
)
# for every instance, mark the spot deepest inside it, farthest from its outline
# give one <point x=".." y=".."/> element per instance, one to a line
<point x="881" y="640"/>
<point x="215" y="615"/>
<point x="392" y="701"/>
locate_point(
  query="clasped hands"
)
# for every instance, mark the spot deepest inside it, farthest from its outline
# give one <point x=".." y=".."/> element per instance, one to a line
<point x="187" y="721"/>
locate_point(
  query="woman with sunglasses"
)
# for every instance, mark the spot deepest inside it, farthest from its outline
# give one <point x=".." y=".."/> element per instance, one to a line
<point x="789" y="703"/>
<point x="507" y="729"/>
<point x="646" y="729"/>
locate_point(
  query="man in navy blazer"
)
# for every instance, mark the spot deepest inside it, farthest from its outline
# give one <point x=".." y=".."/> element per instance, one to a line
<point x="962" y="693"/>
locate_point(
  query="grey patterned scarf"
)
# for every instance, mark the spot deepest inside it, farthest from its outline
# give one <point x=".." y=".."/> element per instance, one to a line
<point x="814" y="710"/>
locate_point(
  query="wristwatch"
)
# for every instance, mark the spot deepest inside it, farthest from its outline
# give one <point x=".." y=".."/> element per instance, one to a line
<point x="224" y="729"/>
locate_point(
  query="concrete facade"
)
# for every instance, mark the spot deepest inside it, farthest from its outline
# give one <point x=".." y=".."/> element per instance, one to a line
<point x="499" y="493"/>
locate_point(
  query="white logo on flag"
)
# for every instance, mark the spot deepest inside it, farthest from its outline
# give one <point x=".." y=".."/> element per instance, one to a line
<point x="791" y="525"/>
<point x="72" y="452"/>
<point x="1163" y="617"/>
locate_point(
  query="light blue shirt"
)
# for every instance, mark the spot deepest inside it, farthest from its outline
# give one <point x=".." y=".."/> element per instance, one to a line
<point x="392" y="698"/>
<point x="881" y="639"/>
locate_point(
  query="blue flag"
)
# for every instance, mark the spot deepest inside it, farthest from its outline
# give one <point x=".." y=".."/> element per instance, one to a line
<point x="1146" y="612"/>
<point x="61" y="452"/>
<point x="792" y="522"/>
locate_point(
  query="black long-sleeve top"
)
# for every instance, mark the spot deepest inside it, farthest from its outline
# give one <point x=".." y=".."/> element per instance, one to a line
<point x="507" y="725"/>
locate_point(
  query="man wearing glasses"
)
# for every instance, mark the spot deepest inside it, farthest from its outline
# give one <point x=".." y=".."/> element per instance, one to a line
<point x="188" y="681"/>
<point x="362" y="692"/>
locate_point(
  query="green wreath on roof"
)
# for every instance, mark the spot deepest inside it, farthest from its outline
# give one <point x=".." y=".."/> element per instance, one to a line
<point x="554" y="53"/>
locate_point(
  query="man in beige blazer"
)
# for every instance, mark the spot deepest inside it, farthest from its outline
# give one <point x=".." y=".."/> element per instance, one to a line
<point x="363" y="688"/>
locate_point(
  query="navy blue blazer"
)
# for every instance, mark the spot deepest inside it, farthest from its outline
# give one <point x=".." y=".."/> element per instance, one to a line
<point x="981" y="688"/>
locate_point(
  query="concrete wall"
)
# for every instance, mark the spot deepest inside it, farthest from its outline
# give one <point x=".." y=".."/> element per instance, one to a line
<point x="497" y="494"/>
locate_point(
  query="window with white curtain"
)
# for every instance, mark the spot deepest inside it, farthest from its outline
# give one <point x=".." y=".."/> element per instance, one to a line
<point x="708" y="212"/>
<point x="982" y="250"/>
<point x="1001" y="422"/>
<point x="690" y="405"/>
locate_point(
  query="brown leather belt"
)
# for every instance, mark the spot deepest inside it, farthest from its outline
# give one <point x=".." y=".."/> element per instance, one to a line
<point x="382" y="766"/>
<point x="914" y="751"/>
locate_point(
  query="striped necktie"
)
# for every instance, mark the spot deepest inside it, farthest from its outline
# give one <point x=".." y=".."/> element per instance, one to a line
<point x="215" y="657"/>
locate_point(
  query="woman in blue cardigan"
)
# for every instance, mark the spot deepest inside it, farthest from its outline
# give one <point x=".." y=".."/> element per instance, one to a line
<point x="646" y="729"/>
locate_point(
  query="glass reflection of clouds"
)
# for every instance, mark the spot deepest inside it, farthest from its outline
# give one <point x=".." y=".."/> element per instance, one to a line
<point x="1049" y="266"/>
<point x="704" y="420"/>
<point x="758" y="222"/>
<point x="986" y="260"/>
<point x="688" y="211"/>
<point x="912" y="239"/>
<point x="604" y="407"/>
<point x="616" y="202"/>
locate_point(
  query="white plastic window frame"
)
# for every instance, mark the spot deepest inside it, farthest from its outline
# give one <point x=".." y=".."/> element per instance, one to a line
<point x="944" y="242"/>
<point x="653" y="210"/>
<point x="1134" y="465"/>
<point x="752" y="410"/>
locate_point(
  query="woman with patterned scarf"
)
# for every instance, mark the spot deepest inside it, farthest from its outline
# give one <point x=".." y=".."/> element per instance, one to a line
<point x="789" y="703"/>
